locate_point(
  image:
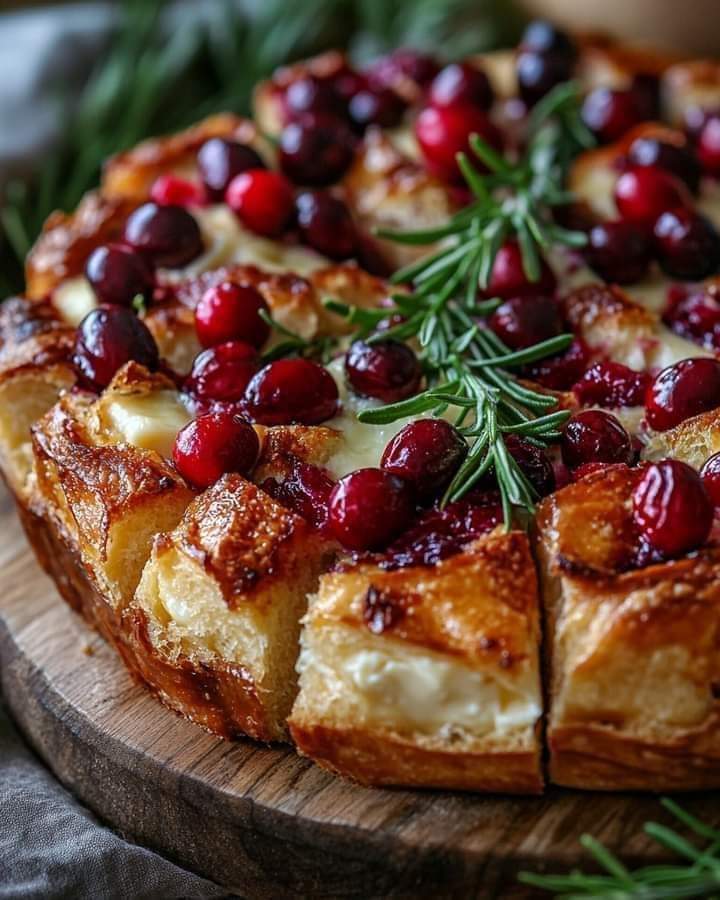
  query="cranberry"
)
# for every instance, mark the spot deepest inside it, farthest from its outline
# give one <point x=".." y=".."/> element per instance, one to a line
<point x="314" y="95"/>
<point x="231" y="312"/>
<point x="533" y="463"/>
<point x="315" y="152"/>
<point x="388" y="371"/>
<point x="678" y="160"/>
<point x="671" y="508"/>
<point x="222" y="372"/>
<point x="306" y="491"/>
<point x="426" y="453"/>
<point x="643" y="193"/>
<point x="539" y="73"/>
<point x="610" y="113"/>
<point x="368" y="508"/>
<point x="646" y="87"/>
<point x="292" y="390"/>
<point x="171" y="190"/>
<point x="118" y="274"/>
<point x="461" y="83"/>
<point x="326" y="224"/>
<point x="106" y="339"/>
<point x="685" y="389"/>
<point x="612" y="384"/>
<point x="561" y="371"/>
<point x="618" y="251"/>
<point x="688" y="245"/>
<point x="403" y="64"/>
<point x="594" y="436"/>
<point x="523" y="321"/>
<point x="376" y="106"/>
<point x="167" y="235"/>
<point x="508" y="278"/>
<point x="262" y="200"/>
<point x="696" y="317"/>
<point x="213" y="444"/>
<point x="710" y="474"/>
<point x="541" y="36"/>
<point x="708" y="145"/>
<point x="444" y="132"/>
<point x="220" y="160"/>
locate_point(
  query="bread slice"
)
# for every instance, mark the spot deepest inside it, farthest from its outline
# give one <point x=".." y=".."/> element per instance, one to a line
<point x="215" y="622"/>
<point x="426" y="676"/>
<point x="634" y="667"/>
<point x="693" y="441"/>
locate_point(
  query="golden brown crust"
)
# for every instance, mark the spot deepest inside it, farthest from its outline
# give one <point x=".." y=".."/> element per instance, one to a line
<point x="284" y="444"/>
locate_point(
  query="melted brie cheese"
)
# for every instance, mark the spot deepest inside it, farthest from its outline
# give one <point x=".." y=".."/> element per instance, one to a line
<point x="74" y="299"/>
<point x="148" y="421"/>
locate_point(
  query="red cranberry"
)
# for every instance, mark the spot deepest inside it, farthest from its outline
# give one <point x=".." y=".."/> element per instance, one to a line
<point x="643" y="193"/>
<point x="314" y="95"/>
<point x="533" y="463"/>
<point x="539" y="73"/>
<point x="594" y="436"/>
<point x="618" y="251"/>
<point x="306" y="491"/>
<point x="118" y="274"/>
<point x="231" y="312"/>
<point x="403" y="64"/>
<point x="326" y="224"/>
<point x="541" y="36"/>
<point x="508" y="278"/>
<point x="171" y="190"/>
<point x="262" y="200"/>
<point x="106" y="339"/>
<point x="388" y="371"/>
<point x="220" y="160"/>
<point x="223" y="372"/>
<point x="561" y="371"/>
<point x="678" y="160"/>
<point x="610" y="113"/>
<point x="292" y="390"/>
<point x="696" y="316"/>
<point x="708" y="145"/>
<point x="315" y="152"/>
<point x="376" y="106"/>
<point x="368" y="508"/>
<point x="461" y="83"/>
<point x="426" y="453"/>
<point x="671" y="508"/>
<point x="523" y="321"/>
<point x="685" y="389"/>
<point x="710" y="474"/>
<point x="167" y="235"/>
<point x="613" y="385"/>
<point x="444" y="132"/>
<point x="213" y="444"/>
<point x="688" y="245"/>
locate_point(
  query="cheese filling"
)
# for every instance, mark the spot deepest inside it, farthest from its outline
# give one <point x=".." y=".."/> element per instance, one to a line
<point x="149" y="421"/>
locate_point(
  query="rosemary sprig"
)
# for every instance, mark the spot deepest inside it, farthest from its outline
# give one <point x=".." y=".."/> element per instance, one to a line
<point x="698" y="876"/>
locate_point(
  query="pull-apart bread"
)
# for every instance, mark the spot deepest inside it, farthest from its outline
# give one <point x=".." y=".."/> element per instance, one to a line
<point x="439" y="509"/>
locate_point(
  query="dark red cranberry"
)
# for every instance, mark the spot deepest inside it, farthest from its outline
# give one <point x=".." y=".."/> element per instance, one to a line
<point x="539" y="73"/>
<point x="166" y="235"/>
<point x="646" y="87"/>
<point x="106" y="339"/>
<point x="388" y="371"/>
<point x="610" y="113"/>
<point x="403" y="64"/>
<point x="594" y="436"/>
<point x="314" y="95"/>
<point x="708" y="145"/>
<point x="368" y="508"/>
<point x="710" y="474"/>
<point x="680" y="161"/>
<point x="426" y="453"/>
<point x="619" y="252"/>
<point x="219" y="160"/>
<point x="541" y="36"/>
<point x="644" y="193"/>
<point x="376" y="106"/>
<point x="292" y="391"/>
<point x="213" y="444"/>
<point x="561" y="371"/>
<point x="671" y="508"/>
<point x="508" y="278"/>
<point x="696" y="316"/>
<point x="262" y="200"/>
<point x="461" y="83"/>
<point x="315" y="152"/>
<point x="523" y="321"/>
<point x="613" y="385"/>
<point x="306" y="491"/>
<point x="223" y="372"/>
<point x="685" y="389"/>
<point x="533" y="463"/>
<point x="118" y="274"/>
<point x="171" y="190"/>
<point x="444" y="132"/>
<point x="231" y="312"/>
<point x="326" y="224"/>
<point x="688" y="246"/>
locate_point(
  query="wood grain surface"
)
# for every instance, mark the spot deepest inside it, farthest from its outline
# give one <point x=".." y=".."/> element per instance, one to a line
<point x="262" y="821"/>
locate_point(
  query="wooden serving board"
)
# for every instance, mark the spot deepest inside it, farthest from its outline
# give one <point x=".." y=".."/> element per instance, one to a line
<point x="264" y="822"/>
